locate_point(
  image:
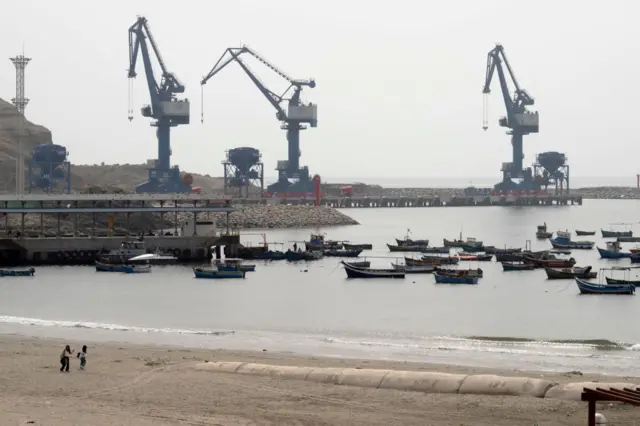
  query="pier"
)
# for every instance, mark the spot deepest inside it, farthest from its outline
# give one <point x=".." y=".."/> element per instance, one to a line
<point x="422" y="201"/>
<point x="189" y="240"/>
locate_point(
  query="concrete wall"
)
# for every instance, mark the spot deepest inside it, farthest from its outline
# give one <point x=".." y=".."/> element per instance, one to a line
<point x="419" y="381"/>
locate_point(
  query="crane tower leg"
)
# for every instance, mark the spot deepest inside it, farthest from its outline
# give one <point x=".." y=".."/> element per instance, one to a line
<point x="293" y="139"/>
<point x="518" y="154"/>
<point x="164" y="145"/>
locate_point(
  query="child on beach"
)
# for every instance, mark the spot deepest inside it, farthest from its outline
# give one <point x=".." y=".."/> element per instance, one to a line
<point x="83" y="357"/>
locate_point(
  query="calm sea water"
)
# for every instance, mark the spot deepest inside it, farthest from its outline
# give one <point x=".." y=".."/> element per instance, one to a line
<point x="511" y="319"/>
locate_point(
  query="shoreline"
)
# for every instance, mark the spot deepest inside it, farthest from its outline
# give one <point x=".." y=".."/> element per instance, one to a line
<point x="157" y="384"/>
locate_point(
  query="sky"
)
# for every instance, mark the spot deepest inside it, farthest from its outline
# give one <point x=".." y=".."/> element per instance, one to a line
<point x="399" y="84"/>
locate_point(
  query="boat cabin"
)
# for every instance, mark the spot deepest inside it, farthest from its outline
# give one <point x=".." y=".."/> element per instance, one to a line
<point x="316" y="239"/>
<point x="564" y="235"/>
<point x="614" y="246"/>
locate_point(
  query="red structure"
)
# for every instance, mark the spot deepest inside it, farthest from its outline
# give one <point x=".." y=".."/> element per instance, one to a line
<point x="316" y="187"/>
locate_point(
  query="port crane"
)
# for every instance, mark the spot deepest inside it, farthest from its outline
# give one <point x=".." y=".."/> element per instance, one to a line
<point x="165" y="109"/>
<point x="293" y="120"/>
<point x="518" y="120"/>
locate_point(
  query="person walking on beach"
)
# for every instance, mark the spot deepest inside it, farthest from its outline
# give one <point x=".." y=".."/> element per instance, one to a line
<point x="64" y="358"/>
<point x="83" y="357"/>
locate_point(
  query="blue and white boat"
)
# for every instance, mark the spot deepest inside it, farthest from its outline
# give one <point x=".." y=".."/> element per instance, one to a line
<point x="232" y="264"/>
<point x="613" y="251"/>
<point x="17" y="272"/>
<point x="563" y="241"/>
<point x="450" y="279"/>
<point x="587" y="287"/>
<point x="136" y="269"/>
<point x="214" y="273"/>
<point x="108" y="267"/>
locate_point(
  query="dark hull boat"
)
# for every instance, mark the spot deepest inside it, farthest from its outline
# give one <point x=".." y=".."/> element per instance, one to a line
<point x="342" y="253"/>
<point x="495" y="250"/>
<point x="569" y="273"/>
<point x="450" y="279"/>
<point x="269" y="255"/>
<point x="17" y="272"/>
<point x="627" y="282"/>
<point x="410" y="242"/>
<point x="357" y="246"/>
<point x="475" y="257"/>
<point x="515" y="266"/>
<point x="360" y="264"/>
<point x="353" y="272"/>
<point x="460" y="272"/>
<point x="469" y="242"/>
<point x="550" y="263"/>
<point x="413" y="269"/>
<point x="585" y="233"/>
<point x="613" y="254"/>
<point x="393" y="248"/>
<point x="436" y="250"/>
<point x="586" y="287"/>
<point x="214" y="274"/>
<point x="442" y="260"/>
<point x="616" y="234"/>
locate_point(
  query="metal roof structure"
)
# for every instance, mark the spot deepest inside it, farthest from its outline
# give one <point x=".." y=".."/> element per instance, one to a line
<point x="626" y="395"/>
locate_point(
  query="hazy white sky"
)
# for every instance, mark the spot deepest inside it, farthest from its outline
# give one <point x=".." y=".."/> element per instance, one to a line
<point x="398" y="83"/>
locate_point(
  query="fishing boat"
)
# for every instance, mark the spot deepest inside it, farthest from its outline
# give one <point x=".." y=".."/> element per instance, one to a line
<point x="450" y="279"/>
<point x="585" y="233"/>
<point x="628" y="239"/>
<point x="468" y="245"/>
<point x="436" y="250"/>
<point x="613" y="251"/>
<point x="360" y="264"/>
<point x="569" y="273"/>
<point x="108" y="267"/>
<point x="625" y="280"/>
<point x="317" y="242"/>
<point x="357" y="246"/>
<point x="135" y="269"/>
<point x="410" y="242"/>
<point x="153" y="259"/>
<point x="17" y="272"/>
<point x="460" y="272"/>
<point x="616" y="234"/>
<point x="393" y="248"/>
<point x="474" y="257"/>
<point x="295" y="256"/>
<point x="127" y="250"/>
<point x="441" y="260"/>
<point x="342" y="253"/>
<point x="233" y="264"/>
<point x="353" y="272"/>
<point x="495" y="250"/>
<point x="413" y="269"/>
<point x="517" y="266"/>
<point x="269" y="255"/>
<point x="587" y="287"/>
<point x="549" y="261"/>
<point x="563" y="241"/>
<point x="542" y="233"/>
<point x="214" y="273"/>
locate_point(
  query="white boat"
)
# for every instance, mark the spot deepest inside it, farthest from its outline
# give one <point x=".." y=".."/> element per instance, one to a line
<point x="154" y="259"/>
<point x="126" y="251"/>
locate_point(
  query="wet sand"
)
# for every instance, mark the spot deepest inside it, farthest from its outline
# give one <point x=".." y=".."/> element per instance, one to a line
<point x="151" y="385"/>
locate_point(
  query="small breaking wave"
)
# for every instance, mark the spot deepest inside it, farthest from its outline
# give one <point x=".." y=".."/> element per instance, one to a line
<point x="597" y="344"/>
<point x="109" y="327"/>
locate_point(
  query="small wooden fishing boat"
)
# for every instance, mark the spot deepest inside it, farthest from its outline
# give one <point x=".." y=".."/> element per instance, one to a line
<point x="353" y="272"/>
<point x="410" y="242"/>
<point x="470" y="242"/>
<point x="360" y="264"/>
<point x="342" y="253"/>
<point x="232" y="264"/>
<point x="108" y="267"/>
<point x="563" y="241"/>
<point x="460" y="272"/>
<point x="317" y="242"/>
<point x="517" y="266"/>
<point x="436" y="250"/>
<point x="475" y="257"/>
<point x="136" y="269"/>
<point x="569" y="273"/>
<point x="17" y="272"/>
<point x="441" y="260"/>
<point x="450" y="279"/>
<point x="619" y="281"/>
<point x="587" y="287"/>
<point x="413" y="269"/>
<point x="495" y="250"/>
<point x="616" y="234"/>
<point x="613" y="251"/>
<point x="628" y="239"/>
<point x="542" y="233"/>
<point x="213" y="273"/>
<point x="393" y="248"/>
<point x="357" y="246"/>
<point x="585" y="233"/>
<point x="547" y="262"/>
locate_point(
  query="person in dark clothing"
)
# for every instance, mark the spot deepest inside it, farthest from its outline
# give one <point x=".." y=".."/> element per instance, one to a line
<point x="83" y="357"/>
<point x="65" y="356"/>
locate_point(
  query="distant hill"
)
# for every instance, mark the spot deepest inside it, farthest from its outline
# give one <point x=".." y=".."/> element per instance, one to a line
<point x="120" y="176"/>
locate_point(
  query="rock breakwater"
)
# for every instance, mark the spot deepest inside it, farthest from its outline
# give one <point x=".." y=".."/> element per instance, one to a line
<point x="283" y="216"/>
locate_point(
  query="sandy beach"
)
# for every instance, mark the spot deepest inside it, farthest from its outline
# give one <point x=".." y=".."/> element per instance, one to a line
<point x="138" y="385"/>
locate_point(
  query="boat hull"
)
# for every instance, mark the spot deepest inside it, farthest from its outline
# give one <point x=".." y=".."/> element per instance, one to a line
<point x="478" y="273"/>
<point x="628" y="282"/>
<point x="572" y="245"/>
<point x="342" y="253"/>
<point x="445" y="279"/>
<point x="608" y="254"/>
<point x="393" y="248"/>
<point x="410" y="242"/>
<point x="353" y="272"/>
<point x="17" y="272"/>
<point x="570" y="273"/>
<point x="616" y="234"/>
<point x="586" y="287"/>
<point x="510" y="266"/>
<point x="136" y="269"/>
<point x="360" y="264"/>
<point x="108" y="267"/>
<point x="214" y="274"/>
<point x="585" y="233"/>
<point x="413" y="269"/>
<point x="358" y="246"/>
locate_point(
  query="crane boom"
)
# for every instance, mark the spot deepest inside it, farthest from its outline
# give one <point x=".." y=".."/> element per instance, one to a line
<point x="165" y="109"/>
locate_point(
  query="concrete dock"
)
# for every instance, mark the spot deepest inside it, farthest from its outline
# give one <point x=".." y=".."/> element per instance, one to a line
<point x="188" y="240"/>
<point x="433" y="201"/>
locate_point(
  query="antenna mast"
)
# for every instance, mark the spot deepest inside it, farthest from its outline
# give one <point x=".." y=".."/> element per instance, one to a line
<point x="20" y="102"/>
